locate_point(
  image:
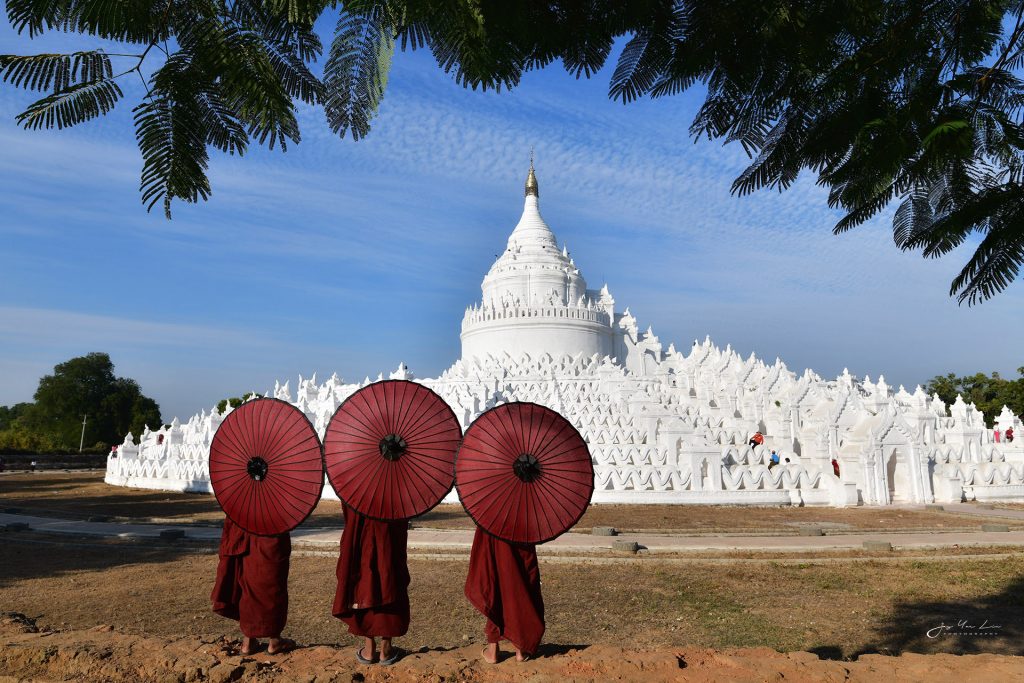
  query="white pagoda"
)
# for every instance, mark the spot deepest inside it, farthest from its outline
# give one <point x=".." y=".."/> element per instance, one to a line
<point x="663" y="426"/>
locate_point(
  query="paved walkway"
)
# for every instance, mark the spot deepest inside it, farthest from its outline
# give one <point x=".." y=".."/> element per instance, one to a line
<point x="571" y="543"/>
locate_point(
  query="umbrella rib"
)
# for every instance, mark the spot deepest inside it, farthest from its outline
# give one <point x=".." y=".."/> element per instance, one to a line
<point x="554" y="498"/>
<point x="382" y="416"/>
<point x="234" y="437"/>
<point x="406" y="408"/>
<point x="556" y="457"/>
<point x="244" y="430"/>
<point x="545" y="439"/>
<point x="292" y="433"/>
<point x="353" y="412"/>
<point x="376" y="478"/>
<point x="224" y="445"/>
<point x="483" y="426"/>
<point x="499" y="443"/>
<point x="287" y="497"/>
<point x="262" y="433"/>
<point x="430" y="413"/>
<point x="285" y="437"/>
<point x="532" y="422"/>
<point x="231" y="493"/>
<point x="549" y="523"/>
<point x="485" y="509"/>
<point x="423" y="491"/>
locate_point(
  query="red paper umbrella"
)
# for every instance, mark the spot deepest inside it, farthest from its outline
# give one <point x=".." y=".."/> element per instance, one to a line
<point x="266" y="466"/>
<point x="390" y="449"/>
<point x="524" y="473"/>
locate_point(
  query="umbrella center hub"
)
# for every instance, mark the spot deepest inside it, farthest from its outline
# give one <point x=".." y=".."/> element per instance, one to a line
<point x="392" y="447"/>
<point x="257" y="468"/>
<point x="526" y="467"/>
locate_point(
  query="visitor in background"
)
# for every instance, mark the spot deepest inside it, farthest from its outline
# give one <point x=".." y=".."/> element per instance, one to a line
<point x="774" y="460"/>
<point x="33" y="465"/>
<point x="252" y="586"/>
<point x="995" y="434"/>
<point x="1009" y="435"/>
<point x="835" y="466"/>
<point x="757" y="439"/>
<point x="504" y="585"/>
<point x="372" y="597"/>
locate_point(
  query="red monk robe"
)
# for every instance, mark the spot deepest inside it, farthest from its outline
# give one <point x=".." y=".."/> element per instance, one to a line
<point x="504" y="585"/>
<point x="373" y="577"/>
<point x="252" y="581"/>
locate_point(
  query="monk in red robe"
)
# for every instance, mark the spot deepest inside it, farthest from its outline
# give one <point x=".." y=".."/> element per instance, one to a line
<point x="504" y="585"/>
<point x="373" y="584"/>
<point x="252" y="586"/>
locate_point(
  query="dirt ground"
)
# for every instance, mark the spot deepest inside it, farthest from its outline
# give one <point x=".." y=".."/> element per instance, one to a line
<point x="105" y="654"/>
<point x="126" y="610"/>
<point x="131" y="611"/>
<point x="838" y="609"/>
<point x="84" y="495"/>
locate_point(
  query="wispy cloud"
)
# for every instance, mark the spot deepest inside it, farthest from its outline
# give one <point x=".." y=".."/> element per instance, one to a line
<point x="352" y="256"/>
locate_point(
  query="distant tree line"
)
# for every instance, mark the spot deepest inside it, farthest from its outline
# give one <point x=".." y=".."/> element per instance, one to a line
<point x="988" y="392"/>
<point x="234" y="401"/>
<point x="81" y="388"/>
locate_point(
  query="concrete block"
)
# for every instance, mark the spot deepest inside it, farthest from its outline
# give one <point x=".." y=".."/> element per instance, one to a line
<point x="995" y="527"/>
<point x="811" y="531"/>
<point x="604" y="531"/>
<point x="934" y="508"/>
<point x="172" y="534"/>
<point x="626" y="546"/>
<point x="877" y="545"/>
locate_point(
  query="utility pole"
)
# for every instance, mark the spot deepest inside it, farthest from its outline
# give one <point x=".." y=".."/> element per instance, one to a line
<point x="82" y="440"/>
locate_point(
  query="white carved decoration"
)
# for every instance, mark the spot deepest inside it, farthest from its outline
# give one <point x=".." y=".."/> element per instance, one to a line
<point x="663" y="427"/>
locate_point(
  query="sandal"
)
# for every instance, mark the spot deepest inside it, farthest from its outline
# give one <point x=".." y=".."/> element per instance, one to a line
<point x="396" y="654"/>
<point x="257" y="646"/>
<point x="286" y="645"/>
<point x="483" y="655"/>
<point x="363" y="660"/>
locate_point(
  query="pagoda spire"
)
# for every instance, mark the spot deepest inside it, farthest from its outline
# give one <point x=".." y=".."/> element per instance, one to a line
<point x="531" y="180"/>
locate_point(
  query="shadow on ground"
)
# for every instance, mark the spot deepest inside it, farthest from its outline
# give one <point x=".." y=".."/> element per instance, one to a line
<point x="991" y="623"/>
<point x="40" y="556"/>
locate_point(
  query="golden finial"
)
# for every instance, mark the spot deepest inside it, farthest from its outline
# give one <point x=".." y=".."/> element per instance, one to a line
<point x="531" y="180"/>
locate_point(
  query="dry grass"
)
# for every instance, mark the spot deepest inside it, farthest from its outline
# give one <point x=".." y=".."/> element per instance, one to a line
<point x="836" y="610"/>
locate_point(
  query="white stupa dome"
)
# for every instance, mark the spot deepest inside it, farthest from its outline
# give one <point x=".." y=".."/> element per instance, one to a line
<point x="534" y="298"/>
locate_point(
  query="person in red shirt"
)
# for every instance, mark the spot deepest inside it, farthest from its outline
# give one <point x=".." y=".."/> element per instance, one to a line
<point x="757" y="439"/>
<point x="252" y="586"/>
<point x="503" y="584"/>
<point x="372" y="597"/>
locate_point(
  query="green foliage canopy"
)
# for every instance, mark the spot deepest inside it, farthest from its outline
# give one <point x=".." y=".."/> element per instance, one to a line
<point x="988" y="393"/>
<point x="85" y="386"/>
<point x="913" y="103"/>
<point x="233" y="401"/>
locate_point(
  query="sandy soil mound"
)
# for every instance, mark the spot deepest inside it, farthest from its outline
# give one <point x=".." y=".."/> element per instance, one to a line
<point x="103" y="654"/>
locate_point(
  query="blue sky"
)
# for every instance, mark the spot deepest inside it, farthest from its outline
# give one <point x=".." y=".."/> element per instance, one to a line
<point x="349" y="257"/>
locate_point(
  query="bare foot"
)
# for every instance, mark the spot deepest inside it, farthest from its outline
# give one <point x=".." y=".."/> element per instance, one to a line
<point x="279" y="646"/>
<point x="520" y="657"/>
<point x="490" y="653"/>
<point x="250" y="646"/>
<point x="385" y="648"/>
